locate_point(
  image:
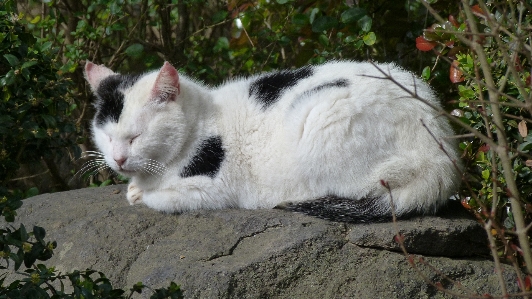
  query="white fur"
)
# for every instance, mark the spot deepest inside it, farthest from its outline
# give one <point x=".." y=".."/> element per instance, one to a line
<point x="336" y="141"/>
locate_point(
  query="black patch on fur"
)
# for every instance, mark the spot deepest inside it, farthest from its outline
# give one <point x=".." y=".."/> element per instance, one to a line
<point x="207" y="160"/>
<point x="267" y="89"/>
<point x="110" y="97"/>
<point x="366" y="210"/>
<point x="333" y="84"/>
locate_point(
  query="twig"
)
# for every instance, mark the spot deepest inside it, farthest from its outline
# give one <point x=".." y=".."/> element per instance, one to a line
<point x="29" y="177"/>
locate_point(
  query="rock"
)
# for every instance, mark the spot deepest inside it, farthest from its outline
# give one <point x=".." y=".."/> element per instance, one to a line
<point x="262" y="253"/>
<point x="452" y="233"/>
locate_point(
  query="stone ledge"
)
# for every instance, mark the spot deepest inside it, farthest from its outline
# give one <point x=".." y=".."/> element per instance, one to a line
<point x="258" y="253"/>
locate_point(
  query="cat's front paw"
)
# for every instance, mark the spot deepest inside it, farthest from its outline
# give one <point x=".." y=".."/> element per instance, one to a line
<point x="134" y="194"/>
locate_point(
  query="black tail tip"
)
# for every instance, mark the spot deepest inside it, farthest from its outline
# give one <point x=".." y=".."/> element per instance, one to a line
<point x="367" y="210"/>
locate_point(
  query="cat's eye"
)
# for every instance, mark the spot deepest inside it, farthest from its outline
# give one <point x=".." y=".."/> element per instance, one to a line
<point x="131" y="140"/>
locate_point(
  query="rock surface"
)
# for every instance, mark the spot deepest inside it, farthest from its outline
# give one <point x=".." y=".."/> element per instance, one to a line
<point x="262" y="253"/>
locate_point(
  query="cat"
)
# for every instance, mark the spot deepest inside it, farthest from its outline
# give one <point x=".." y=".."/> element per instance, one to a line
<point x="331" y="136"/>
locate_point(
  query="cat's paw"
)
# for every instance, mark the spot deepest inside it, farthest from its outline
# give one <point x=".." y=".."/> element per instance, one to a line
<point x="134" y="194"/>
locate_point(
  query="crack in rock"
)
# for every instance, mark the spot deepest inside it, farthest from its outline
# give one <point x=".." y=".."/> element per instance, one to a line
<point x="240" y="239"/>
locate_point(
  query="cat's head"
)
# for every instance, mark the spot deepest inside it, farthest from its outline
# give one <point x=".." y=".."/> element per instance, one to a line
<point x="139" y="122"/>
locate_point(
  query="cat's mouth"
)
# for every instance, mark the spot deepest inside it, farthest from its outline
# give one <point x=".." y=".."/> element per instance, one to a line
<point x="125" y="172"/>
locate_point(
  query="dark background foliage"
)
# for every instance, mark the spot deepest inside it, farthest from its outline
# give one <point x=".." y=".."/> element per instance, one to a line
<point x="212" y="41"/>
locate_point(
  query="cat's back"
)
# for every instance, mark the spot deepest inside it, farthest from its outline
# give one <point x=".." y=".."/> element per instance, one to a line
<point x="264" y="91"/>
<point x="275" y="101"/>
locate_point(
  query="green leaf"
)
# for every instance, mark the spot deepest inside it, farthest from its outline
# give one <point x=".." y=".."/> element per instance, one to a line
<point x="81" y="25"/>
<point x="115" y="8"/>
<point x="8" y="79"/>
<point x="365" y="23"/>
<point x="46" y="46"/>
<point x="35" y="20"/>
<point x="219" y="16"/>
<point x="41" y="134"/>
<point x="6" y="120"/>
<point x="465" y="92"/>
<point x="485" y="174"/>
<point x="118" y="27"/>
<point x="39" y="233"/>
<point x="12" y="59"/>
<point x="524" y="147"/>
<point x="313" y="14"/>
<point x="23" y="233"/>
<point x="369" y="39"/>
<point x="323" y="39"/>
<point x="359" y="44"/>
<point x="282" y="1"/>
<point x="33" y="255"/>
<point x="49" y="120"/>
<point x="221" y="44"/>
<point x="324" y="23"/>
<point x="285" y="40"/>
<point x="106" y="183"/>
<point x="350" y="39"/>
<point x="426" y="73"/>
<point x="300" y="19"/>
<point x="32" y="192"/>
<point x="135" y="50"/>
<point x="352" y="15"/>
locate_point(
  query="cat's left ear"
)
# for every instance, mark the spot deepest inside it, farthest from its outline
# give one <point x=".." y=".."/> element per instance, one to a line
<point x="166" y="87"/>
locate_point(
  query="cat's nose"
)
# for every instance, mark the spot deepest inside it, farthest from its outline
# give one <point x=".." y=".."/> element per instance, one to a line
<point x="120" y="161"/>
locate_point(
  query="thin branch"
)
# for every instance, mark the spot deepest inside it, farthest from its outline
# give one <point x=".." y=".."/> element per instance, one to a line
<point x="30" y="176"/>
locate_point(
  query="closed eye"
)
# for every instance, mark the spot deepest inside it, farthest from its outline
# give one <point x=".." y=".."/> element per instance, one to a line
<point x="132" y="139"/>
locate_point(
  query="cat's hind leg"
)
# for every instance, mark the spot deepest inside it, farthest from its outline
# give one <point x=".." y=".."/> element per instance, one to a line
<point x="416" y="184"/>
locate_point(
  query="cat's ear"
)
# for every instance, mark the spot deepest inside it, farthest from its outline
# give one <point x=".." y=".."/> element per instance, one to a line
<point x="95" y="74"/>
<point x="166" y="87"/>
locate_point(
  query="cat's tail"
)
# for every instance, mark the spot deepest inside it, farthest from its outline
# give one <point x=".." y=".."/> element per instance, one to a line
<point x="366" y="210"/>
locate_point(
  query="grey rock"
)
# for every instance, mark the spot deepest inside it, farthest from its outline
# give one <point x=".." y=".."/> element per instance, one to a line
<point x="262" y="253"/>
<point x="452" y="233"/>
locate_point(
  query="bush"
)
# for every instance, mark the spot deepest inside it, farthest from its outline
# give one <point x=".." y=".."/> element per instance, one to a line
<point x="35" y="106"/>
<point x="34" y="122"/>
<point x="488" y="53"/>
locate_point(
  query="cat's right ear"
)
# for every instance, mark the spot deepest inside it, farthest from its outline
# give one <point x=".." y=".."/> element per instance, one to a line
<point x="95" y="74"/>
<point x="166" y="87"/>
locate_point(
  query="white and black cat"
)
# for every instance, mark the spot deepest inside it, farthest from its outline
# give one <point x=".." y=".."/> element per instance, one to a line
<point x="332" y="131"/>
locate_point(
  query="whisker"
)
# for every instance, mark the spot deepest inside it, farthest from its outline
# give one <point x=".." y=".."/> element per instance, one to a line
<point x="150" y="171"/>
<point x="157" y="163"/>
<point x="93" y="152"/>
<point x="92" y="155"/>
<point x="87" y="154"/>
<point x="155" y="167"/>
<point x="91" y="167"/>
<point x="153" y="171"/>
